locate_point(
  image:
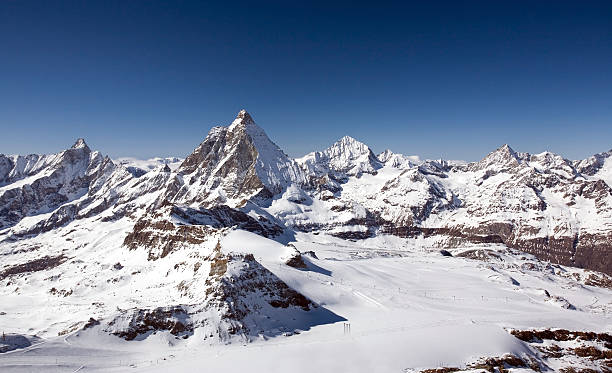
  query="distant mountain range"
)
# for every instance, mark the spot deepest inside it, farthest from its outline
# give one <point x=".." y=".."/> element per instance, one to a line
<point x="557" y="209"/>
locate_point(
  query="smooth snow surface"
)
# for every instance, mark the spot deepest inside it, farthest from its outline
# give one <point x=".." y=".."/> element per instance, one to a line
<point x="605" y="172"/>
<point x="407" y="308"/>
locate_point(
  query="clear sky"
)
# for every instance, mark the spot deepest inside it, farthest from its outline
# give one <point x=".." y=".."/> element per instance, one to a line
<point x="450" y="79"/>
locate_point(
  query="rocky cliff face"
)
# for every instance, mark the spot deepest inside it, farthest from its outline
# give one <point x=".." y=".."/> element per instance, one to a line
<point x="232" y="164"/>
<point x="36" y="185"/>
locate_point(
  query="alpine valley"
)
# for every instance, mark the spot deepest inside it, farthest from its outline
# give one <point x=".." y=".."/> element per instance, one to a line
<point x="239" y="258"/>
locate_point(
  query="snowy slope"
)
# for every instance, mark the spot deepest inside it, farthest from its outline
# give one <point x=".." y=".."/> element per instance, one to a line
<point x="406" y="308"/>
<point x="139" y="167"/>
<point x="605" y="170"/>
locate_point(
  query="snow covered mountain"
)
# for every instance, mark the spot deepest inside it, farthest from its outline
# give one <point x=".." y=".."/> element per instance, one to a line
<point x="232" y="164"/>
<point x="557" y="209"/>
<point x="50" y="188"/>
<point x="139" y="167"/>
<point x="388" y="158"/>
<point x="220" y="246"/>
<point x="347" y="157"/>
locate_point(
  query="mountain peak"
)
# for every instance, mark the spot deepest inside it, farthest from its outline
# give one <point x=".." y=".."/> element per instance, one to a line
<point x="350" y="144"/>
<point x="80" y="144"/>
<point x="385" y="155"/>
<point x="348" y="139"/>
<point x="243" y="118"/>
<point x="504" y="156"/>
<point x="388" y="158"/>
<point x="238" y="162"/>
<point x="504" y="152"/>
<point x="506" y="149"/>
<point x="346" y="157"/>
<point x="244" y="115"/>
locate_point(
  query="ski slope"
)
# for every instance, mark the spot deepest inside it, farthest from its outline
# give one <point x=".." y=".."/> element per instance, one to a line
<point x="407" y="309"/>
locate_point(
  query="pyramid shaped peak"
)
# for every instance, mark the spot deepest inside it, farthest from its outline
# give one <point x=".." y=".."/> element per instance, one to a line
<point x="503" y="151"/>
<point x="506" y="148"/>
<point x="349" y="148"/>
<point x="240" y="160"/>
<point x="80" y="144"/>
<point x="350" y="143"/>
<point x="243" y="118"/>
<point x="501" y="157"/>
<point x="243" y="114"/>
<point x="347" y="156"/>
<point x="349" y="139"/>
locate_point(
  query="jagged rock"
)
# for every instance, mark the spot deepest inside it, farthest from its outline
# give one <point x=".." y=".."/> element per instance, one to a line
<point x="311" y="254"/>
<point x="347" y="157"/>
<point x="480" y="254"/>
<point x="141" y="322"/>
<point x="41" y="264"/>
<point x="225" y="217"/>
<point x="233" y="163"/>
<point x="162" y="237"/>
<point x="296" y="261"/>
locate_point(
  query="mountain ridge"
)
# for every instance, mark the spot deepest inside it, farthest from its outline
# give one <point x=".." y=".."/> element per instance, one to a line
<point x="534" y="202"/>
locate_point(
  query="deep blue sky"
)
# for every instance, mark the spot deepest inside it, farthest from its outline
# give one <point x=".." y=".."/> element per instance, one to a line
<point x="438" y="79"/>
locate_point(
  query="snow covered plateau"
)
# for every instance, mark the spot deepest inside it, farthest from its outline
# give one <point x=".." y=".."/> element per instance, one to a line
<point x="239" y="258"/>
